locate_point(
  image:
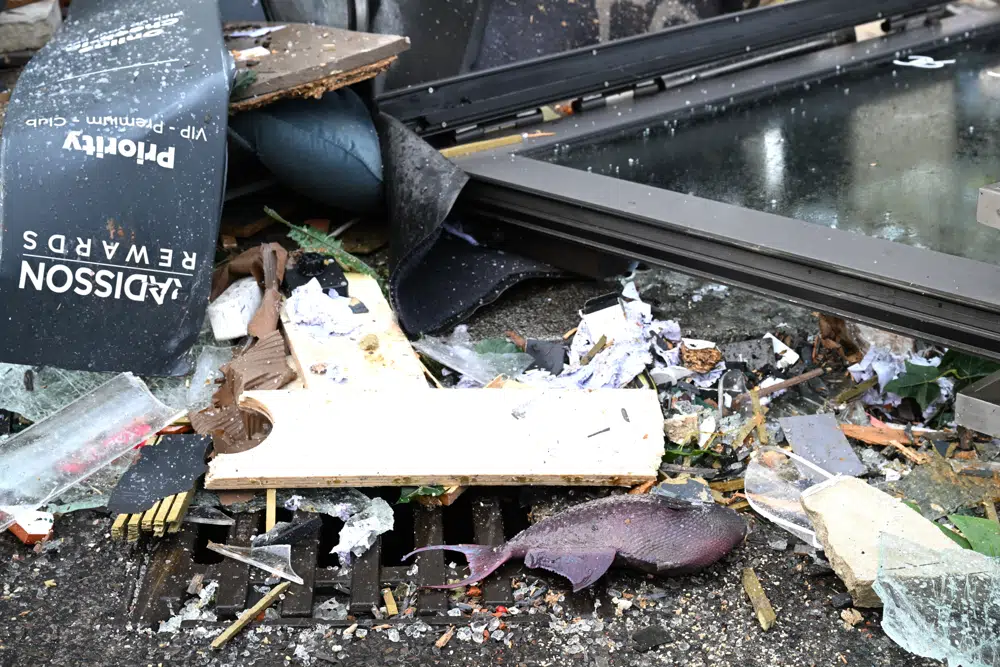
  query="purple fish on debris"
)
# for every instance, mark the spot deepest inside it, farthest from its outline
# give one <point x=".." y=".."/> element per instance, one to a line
<point x="645" y="532"/>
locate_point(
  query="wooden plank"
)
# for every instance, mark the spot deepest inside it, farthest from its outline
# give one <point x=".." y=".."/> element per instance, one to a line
<point x="233" y="575"/>
<point x="428" y="530"/>
<point x="309" y="60"/>
<point x="118" y="527"/>
<point x="489" y="530"/>
<point x="393" y="363"/>
<point x="365" y="580"/>
<point x="148" y="516"/>
<point x="250" y="614"/>
<point x="271" y="510"/>
<point x="160" y="522"/>
<point x="529" y="436"/>
<point x="177" y="511"/>
<point x="133" y="527"/>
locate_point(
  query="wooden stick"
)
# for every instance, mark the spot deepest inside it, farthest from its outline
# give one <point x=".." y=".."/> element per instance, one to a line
<point x="642" y="488"/>
<point x="133" y="527"/>
<point x="118" y="527"/>
<point x="177" y="511"/>
<point x="250" y="614"/>
<point x="728" y="485"/>
<point x="857" y="390"/>
<point x="791" y="382"/>
<point x="758" y="410"/>
<point x="761" y="605"/>
<point x="271" y="512"/>
<point x="160" y="522"/>
<point x="390" y="602"/>
<point x="148" y="516"/>
<point x="484" y="145"/>
<point x="991" y="511"/>
<point x="443" y="640"/>
<point x="598" y="347"/>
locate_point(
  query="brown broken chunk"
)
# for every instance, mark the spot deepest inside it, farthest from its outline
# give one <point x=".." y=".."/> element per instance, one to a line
<point x="700" y="361"/>
<point x="227" y="428"/>
<point x="263" y="366"/>
<point x="249" y="263"/>
<point x="265" y="320"/>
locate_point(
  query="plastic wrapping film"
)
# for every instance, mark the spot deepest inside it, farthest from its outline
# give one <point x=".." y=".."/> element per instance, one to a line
<point x="53" y="455"/>
<point x="113" y="161"/>
<point x="774" y="490"/>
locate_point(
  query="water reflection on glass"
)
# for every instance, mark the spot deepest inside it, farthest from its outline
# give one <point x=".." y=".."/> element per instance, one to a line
<point x="893" y="152"/>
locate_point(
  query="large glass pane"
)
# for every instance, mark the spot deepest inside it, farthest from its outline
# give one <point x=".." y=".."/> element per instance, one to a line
<point x="894" y="152"/>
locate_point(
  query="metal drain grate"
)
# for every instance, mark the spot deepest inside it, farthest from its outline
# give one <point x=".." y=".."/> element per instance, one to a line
<point x="475" y="516"/>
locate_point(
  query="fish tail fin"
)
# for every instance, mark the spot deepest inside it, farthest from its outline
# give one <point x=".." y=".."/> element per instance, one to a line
<point x="483" y="560"/>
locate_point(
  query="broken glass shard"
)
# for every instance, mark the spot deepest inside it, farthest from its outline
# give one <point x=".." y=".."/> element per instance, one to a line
<point x="276" y="559"/>
<point x="209" y="516"/>
<point x="943" y="605"/>
<point x="458" y="353"/>
<point x="773" y="486"/>
<point x="57" y="453"/>
<point x="361" y="530"/>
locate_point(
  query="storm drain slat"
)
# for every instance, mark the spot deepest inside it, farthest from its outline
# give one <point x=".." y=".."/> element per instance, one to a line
<point x="365" y="584"/>
<point x="428" y="529"/>
<point x="488" y="522"/>
<point x="163" y="589"/>
<point x="234" y="576"/>
<point x="299" y="599"/>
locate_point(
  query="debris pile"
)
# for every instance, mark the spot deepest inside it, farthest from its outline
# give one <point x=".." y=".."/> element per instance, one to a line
<point x="291" y="432"/>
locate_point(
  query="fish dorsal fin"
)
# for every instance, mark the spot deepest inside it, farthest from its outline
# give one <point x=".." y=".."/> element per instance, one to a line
<point x="581" y="567"/>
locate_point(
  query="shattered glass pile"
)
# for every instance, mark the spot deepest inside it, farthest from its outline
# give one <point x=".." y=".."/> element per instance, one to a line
<point x="940" y="604"/>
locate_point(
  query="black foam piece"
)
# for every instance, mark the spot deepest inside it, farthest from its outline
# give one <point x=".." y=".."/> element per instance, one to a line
<point x="169" y="467"/>
<point x="437" y="279"/>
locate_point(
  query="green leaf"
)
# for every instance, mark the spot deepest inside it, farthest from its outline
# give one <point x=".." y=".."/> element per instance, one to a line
<point x="919" y="383"/>
<point x="967" y="367"/>
<point x="954" y="537"/>
<point x="496" y="346"/>
<point x="408" y="493"/>
<point x="312" y="241"/>
<point x="983" y="534"/>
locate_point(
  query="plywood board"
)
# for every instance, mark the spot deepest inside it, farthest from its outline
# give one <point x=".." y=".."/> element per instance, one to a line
<point x="394" y="363"/>
<point x="308" y="60"/>
<point x="397" y="436"/>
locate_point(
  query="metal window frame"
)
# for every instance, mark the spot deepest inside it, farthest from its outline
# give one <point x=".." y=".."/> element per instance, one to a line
<point x="446" y="104"/>
<point x="918" y="292"/>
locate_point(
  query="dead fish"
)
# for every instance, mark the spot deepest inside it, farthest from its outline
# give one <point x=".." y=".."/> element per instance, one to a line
<point x="645" y="532"/>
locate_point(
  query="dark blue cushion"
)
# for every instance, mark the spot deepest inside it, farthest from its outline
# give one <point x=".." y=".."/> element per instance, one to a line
<point x="326" y="149"/>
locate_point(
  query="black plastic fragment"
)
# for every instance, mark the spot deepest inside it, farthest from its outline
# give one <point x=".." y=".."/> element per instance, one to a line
<point x="550" y="355"/>
<point x="325" y="270"/>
